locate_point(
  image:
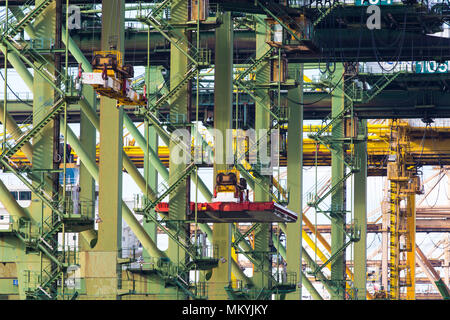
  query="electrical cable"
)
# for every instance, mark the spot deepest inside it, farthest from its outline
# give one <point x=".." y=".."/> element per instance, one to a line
<point x="422" y="143"/>
<point x="400" y="48"/>
<point x="436" y="246"/>
<point x="437" y="198"/>
<point x="12" y="91"/>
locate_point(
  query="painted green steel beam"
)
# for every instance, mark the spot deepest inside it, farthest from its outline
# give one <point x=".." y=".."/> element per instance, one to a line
<point x="338" y="195"/>
<point x="140" y="140"/>
<point x="360" y="216"/>
<point x="88" y="139"/>
<point x="262" y="122"/>
<point x="10" y="204"/>
<point x="19" y="66"/>
<point x="18" y="13"/>
<point x="127" y="163"/>
<point x="223" y="98"/>
<point x="128" y="216"/>
<point x="77" y="53"/>
<point x="178" y="199"/>
<point x="295" y="178"/>
<point x="151" y="178"/>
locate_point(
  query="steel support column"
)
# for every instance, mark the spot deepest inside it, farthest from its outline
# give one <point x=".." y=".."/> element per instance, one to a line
<point x="102" y="277"/>
<point x="294" y="179"/>
<point x="88" y="135"/>
<point x="223" y="100"/>
<point x="338" y="206"/>
<point x="360" y="215"/>
<point x="150" y="172"/>
<point x="179" y="107"/>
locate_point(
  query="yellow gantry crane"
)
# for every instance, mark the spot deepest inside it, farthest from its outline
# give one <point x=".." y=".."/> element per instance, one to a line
<point x="404" y="185"/>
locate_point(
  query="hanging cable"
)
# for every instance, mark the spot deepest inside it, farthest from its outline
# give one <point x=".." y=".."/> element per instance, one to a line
<point x="400" y="47"/>
<point x="438" y="195"/>
<point x="12" y="91"/>
<point x="422" y="143"/>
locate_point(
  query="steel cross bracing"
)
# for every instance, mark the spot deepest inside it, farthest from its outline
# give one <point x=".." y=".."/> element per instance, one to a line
<point x="333" y="145"/>
<point x="323" y="136"/>
<point x="27" y="136"/>
<point x="197" y="59"/>
<point x="277" y="284"/>
<point x="42" y="286"/>
<point x="159" y="19"/>
<point x="168" y="190"/>
<point x="339" y="146"/>
<point x="14" y="26"/>
<point x="275" y="112"/>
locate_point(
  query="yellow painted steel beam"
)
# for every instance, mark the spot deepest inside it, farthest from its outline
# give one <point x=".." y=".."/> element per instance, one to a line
<point x="430" y="151"/>
<point x="430" y="148"/>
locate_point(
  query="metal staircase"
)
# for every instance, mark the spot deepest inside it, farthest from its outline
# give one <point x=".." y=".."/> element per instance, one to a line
<point x="171" y="33"/>
<point x="168" y="190"/>
<point x="323" y="13"/>
<point x="63" y="86"/>
<point x="254" y="65"/>
<point x="192" y="71"/>
<point x="27" y="136"/>
<point x="360" y="95"/>
<point x="324" y="137"/>
<point x="279" y="14"/>
<point x="279" y="283"/>
<point x="14" y="27"/>
<point x="198" y="58"/>
<point x="254" y="171"/>
<point x="171" y="274"/>
<point x="354" y="235"/>
<point x="340" y="145"/>
<point x="45" y="240"/>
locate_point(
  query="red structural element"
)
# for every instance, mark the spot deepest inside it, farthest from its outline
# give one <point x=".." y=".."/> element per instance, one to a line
<point x="240" y="212"/>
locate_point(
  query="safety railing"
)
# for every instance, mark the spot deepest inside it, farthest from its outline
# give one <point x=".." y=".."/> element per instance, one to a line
<point x="284" y="279"/>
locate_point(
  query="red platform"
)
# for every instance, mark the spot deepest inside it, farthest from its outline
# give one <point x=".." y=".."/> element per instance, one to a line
<point x="228" y="212"/>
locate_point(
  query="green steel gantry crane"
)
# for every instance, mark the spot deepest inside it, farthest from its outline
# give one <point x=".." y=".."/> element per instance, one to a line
<point x="188" y="269"/>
